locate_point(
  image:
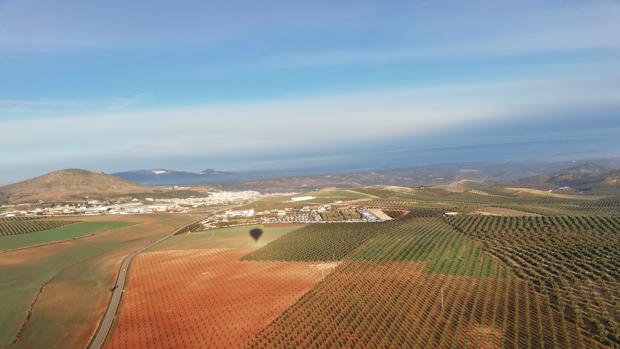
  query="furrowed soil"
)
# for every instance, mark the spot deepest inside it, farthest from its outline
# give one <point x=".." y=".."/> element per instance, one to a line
<point x="206" y="298"/>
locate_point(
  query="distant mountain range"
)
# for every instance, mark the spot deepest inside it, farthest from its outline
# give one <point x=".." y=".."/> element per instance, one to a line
<point x="78" y="185"/>
<point x="69" y="185"/>
<point x="157" y="177"/>
<point x="585" y="177"/>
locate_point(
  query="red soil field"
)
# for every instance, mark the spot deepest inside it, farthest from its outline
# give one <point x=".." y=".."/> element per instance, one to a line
<point x="205" y="298"/>
<point x="398" y="304"/>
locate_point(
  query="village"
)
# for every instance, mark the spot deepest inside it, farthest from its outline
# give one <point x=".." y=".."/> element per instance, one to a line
<point x="325" y="213"/>
<point x="130" y="206"/>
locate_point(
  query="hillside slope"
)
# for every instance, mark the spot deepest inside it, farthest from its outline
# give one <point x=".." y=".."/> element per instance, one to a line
<point x="584" y="177"/>
<point x="69" y="185"/>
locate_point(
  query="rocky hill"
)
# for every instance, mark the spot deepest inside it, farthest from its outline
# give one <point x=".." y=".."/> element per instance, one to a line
<point x="69" y="185"/>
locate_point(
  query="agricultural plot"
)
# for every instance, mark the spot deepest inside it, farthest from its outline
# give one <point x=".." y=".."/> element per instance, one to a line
<point x="17" y="226"/>
<point x="340" y="215"/>
<point x="417" y="282"/>
<point x="233" y="237"/>
<point x="446" y="250"/>
<point x="418" y="212"/>
<point x="320" y="197"/>
<point x="471" y="200"/>
<point x="53" y="295"/>
<point x="391" y="204"/>
<point x="64" y="232"/>
<point x="398" y="304"/>
<point x="609" y="206"/>
<point x="498" y="211"/>
<point x="573" y="260"/>
<point x="382" y="193"/>
<point x="320" y="242"/>
<point x="205" y="298"/>
<point x="25" y="273"/>
<point x="330" y="195"/>
<point x="395" y="214"/>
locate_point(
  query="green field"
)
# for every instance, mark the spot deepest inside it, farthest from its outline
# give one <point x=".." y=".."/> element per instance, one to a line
<point x="17" y="226"/>
<point x="430" y="240"/>
<point x="66" y="232"/>
<point x="21" y="282"/>
<point x="234" y="237"/>
<point x="75" y="278"/>
<point x="320" y="242"/>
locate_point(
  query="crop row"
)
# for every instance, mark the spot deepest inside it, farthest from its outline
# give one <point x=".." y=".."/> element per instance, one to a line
<point x="602" y="206"/>
<point x="391" y="204"/>
<point x="24" y="226"/>
<point x="427" y="212"/>
<point x="320" y="242"/>
<point x="573" y="260"/>
<point x="546" y="205"/>
<point x="204" y="299"/>
<point x="388" y="304"/>
<point x="446" y="250"/>
<point x="395" y="214"/>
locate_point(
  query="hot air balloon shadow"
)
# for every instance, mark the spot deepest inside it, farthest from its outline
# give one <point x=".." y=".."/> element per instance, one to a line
<point x="256" y="233"/>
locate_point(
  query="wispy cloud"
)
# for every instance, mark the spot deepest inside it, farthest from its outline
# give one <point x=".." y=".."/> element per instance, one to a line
<point x="246" y="77"/>
<point x="42" y="107"/>
<point x="294" y="124"/>
<point x="584" y="26"/>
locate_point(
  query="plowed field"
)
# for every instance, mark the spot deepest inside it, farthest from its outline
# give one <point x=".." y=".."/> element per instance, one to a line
<point x="206" y="298"/>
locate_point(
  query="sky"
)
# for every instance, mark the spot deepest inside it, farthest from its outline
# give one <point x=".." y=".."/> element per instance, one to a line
<point x="259" y="85"/>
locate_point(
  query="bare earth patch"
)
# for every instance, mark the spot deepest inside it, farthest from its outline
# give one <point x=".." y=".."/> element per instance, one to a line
<point x="380" y="214"/>
<point x="498" y="211"/>
<point x="206" y="298"/>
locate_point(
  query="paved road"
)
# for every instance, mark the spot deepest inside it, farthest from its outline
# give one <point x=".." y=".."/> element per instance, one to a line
<point x="110" y="314"/>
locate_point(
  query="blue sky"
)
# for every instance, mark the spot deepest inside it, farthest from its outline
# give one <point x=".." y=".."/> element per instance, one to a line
<point x="245" y="85"/>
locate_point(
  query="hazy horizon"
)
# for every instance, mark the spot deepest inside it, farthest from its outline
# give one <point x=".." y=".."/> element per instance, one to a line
<point x="245" y="86"/>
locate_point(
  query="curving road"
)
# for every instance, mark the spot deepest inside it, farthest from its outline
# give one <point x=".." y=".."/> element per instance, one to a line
<point x="117" y="292"/>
